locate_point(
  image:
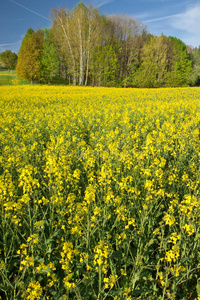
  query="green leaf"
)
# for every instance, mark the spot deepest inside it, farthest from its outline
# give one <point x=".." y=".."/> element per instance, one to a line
<point x="198" y="287"/>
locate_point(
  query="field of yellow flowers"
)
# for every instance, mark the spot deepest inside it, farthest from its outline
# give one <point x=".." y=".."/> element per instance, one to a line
<point x="99" y="193"/>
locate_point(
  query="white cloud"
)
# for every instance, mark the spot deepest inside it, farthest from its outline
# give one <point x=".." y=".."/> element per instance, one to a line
<point x="14" y="47"/>
<point x="99" y="3"/>
<point x="32" y="11"/>
<point x="154" y="1"/>
<point x="189" y="20"/>
<point x="10" y="44"/>
<point x="161" y="18"/>
<point x="188" y="23"/>
<point x="140" y="16"/>
<point x="184" y="25"/>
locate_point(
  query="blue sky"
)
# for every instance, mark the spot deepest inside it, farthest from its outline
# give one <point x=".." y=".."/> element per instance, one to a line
<point x="179" y="18"/>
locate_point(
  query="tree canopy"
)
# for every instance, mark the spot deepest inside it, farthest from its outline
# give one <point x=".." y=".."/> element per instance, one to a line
<point x="9" y="59"/>
<point x="29" y="64"/>
<point x="50" y="58"/>
<point x="89" y="48"/>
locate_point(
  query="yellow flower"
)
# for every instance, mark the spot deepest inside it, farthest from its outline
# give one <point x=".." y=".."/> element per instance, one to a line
<point x="97" y="211"/>
<point x="189" y="228"/>
<point x="34" y="291"/>
<point x="173" y="254"/>
<point x="169" y="219"/>
<point x="123" y="272"/>
<point x="174" y="237"/>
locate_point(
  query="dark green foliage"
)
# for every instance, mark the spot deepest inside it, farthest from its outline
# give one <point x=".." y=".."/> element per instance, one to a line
<point x="50" y="59"/>
<point x="182" y="63"/>
<point x="105" y="66"/>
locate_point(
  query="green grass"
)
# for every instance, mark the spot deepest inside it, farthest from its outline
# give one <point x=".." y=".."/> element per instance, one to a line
<point x="10" y="78"/>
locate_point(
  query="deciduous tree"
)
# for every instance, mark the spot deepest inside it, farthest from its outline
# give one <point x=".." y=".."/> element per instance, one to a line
<point x="182" y="63"/>
<point x="128" y="34"/>
<point x="76" y="32"/>
<point x="50" y="59"/>
<point x="156" y="62"/>
<point x="195" y="74"/>
<point x="164" y="62"/>
<point x="9" y="59"/>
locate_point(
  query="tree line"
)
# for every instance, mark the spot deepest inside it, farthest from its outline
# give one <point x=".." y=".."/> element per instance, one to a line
<point x="84" y="47"/>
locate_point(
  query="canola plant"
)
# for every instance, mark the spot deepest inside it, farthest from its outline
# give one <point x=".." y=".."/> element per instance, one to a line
<point x="99" y="193"/>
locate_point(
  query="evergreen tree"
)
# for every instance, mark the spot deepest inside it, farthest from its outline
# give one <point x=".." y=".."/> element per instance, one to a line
<point x="29" y="59"/>
<point x="29" y="33"/>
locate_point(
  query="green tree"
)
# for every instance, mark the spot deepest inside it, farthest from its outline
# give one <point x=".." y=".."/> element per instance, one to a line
<point x="29" y="33"/>
<point x="29" y="59"/>
<point x="105" y="66"/>
<point x="133" y="57"/>
<point x="9" y="59"/>
<point x="128" y="34"/>
<point x="156" y="63"/>
<point x="50" y="59"/>
<point x="164" y="62"/>
<point x="77" y="32"/>
<point x="97" y="49"/>
<point x="195" y="74"/>
<point x="182" y="64"/>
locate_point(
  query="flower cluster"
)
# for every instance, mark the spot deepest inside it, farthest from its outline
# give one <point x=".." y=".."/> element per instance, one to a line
<point x="99" y="193"/>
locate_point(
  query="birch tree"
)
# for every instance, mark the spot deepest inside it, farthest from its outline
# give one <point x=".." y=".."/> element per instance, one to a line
<point x="62" y="30"/>
<point x="75" y="32"/>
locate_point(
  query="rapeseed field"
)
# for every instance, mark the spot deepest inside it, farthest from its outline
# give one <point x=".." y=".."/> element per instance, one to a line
<point x="99" y="193"/>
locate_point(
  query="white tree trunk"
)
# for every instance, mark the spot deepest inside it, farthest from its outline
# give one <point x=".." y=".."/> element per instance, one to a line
<point x="81" y="74"/>
<point x="88" y="54"/>
<point x="70" y="47"/>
